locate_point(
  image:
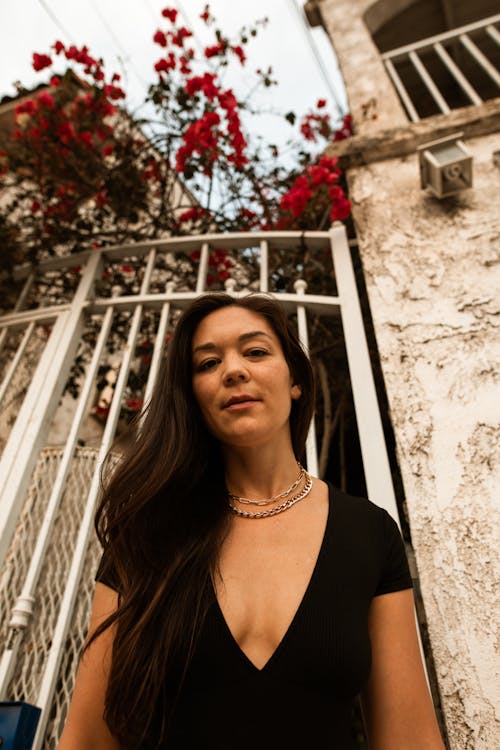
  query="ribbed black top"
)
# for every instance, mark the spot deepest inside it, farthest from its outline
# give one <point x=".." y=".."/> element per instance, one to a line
<point x="303" y="696"/>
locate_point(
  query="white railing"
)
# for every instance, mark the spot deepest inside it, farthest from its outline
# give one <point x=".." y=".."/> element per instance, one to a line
<point x="461" y="38"/>
<point x="48" y="495"/>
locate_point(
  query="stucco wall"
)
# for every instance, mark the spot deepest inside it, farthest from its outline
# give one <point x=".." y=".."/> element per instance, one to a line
<point x="372" y="100"/>
<point x="433" y="276"/>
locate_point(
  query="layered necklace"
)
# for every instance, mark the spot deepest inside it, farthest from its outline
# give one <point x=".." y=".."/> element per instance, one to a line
<point x="278" y="508"/>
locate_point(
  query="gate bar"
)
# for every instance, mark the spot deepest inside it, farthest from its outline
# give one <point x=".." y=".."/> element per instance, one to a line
<point x="23" y="608"/>
<point x="33" y="421"/>
<point x="50" y="674"/>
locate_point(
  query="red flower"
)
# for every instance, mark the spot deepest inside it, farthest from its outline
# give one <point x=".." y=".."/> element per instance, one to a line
<point x="35" y="206"/>
<point x="170" y="13"/>
<point x="192" y="214"/>
<point x="217" y="49"/>
<point x="27" y="107"/>
<point x="205" y="16"/>
<point x="44" y="99"/>
<point x="321" y="103"/>
<point x="297" y="197"/>
<point x="66" y="132"/>
<point x="166" y="64"/>
<point x="238" y="51"/>
<point x="58" y="47"/>
<point x="101" y="198"/>
<point x="182" y="33"/>
<point x="108" y="150"/>
<point x="41" y="61"/>
<point x="185" y="69"/>
<point x="55" y="81"/>
<point x="134" y="404"/>
<point x="114" y="92"/>
<point x="345" y="131"/>
<point x="340" y="210"/>
<point x="86" y="137"/>
<point x="205" y="83"/>
<point x="160" y="38"/>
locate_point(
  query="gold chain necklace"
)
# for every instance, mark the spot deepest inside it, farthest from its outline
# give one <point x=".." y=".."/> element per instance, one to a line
<point x="269" y="500"/>
<point x="279" y="508"/>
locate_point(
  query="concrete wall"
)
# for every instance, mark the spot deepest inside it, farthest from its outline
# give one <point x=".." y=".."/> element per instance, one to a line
<point x="433" y="277"/>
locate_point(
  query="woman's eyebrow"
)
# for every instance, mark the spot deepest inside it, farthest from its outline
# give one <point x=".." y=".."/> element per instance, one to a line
<point x="209" y="346"/>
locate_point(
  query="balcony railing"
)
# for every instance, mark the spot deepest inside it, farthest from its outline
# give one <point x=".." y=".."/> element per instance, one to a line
<point x="449" y="70"/>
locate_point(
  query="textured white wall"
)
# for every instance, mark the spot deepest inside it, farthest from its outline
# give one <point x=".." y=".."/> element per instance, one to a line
<point x="432" y="271"/>
<point x="433" y="276"/>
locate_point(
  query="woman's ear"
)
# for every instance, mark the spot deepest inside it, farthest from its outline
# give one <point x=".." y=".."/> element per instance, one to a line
<point x="296" y="392"/>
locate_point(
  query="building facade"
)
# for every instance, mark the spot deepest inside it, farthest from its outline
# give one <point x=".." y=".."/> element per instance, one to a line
<point x="417" y="72"/>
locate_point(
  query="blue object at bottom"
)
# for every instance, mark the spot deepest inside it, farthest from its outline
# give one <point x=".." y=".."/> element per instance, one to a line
<point x="18" y="723"/>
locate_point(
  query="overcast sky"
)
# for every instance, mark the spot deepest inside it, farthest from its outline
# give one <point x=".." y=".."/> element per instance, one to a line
<point x="120" y="31"/>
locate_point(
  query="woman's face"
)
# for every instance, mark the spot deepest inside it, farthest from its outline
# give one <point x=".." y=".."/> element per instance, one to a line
<point x="241" y="379"/>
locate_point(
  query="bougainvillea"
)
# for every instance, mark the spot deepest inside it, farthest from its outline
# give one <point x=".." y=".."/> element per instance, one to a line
<point x="80" y="172"/>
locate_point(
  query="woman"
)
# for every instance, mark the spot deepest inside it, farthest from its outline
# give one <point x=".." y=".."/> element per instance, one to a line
<point x="241" y="603"/>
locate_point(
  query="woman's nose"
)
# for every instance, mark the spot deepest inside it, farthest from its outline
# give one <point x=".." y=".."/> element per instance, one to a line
<point x="236" y="372"/>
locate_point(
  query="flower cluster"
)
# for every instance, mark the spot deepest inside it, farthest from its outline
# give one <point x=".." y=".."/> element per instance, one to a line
<point x="65" y="149"/>
<point x="318" y="124"/>
<point x="217" y="132"/>
<point x="219" y="263"/>
<point x="315" y="189"/>
<point x="86" y="176"/>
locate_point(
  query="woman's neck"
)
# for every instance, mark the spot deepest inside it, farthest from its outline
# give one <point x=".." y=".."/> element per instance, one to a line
<point x="259" y="473"/>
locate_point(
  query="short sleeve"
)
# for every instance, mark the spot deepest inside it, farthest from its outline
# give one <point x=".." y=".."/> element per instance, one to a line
<point x="395" y="571"/>
<point x="106" y="573"/>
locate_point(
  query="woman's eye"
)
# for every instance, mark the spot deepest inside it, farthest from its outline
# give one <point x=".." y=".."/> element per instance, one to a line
<point x="208" y="364"/>
<point x="256" y="353"/>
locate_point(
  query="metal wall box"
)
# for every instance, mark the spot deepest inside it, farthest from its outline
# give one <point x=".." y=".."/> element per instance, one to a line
<point x="18" y="723"/>
<point x="445" y="166"/>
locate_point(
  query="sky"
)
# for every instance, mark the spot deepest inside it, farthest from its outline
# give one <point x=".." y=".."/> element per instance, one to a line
<point x="121" y="31"/>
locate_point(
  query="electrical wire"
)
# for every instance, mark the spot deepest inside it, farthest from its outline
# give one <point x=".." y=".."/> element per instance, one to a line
<point x="55" y="20"/>
<point x="300" y="15"/>
<point x="126" y="59"/>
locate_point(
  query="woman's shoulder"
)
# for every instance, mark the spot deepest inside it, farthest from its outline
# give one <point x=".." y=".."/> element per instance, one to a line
<point x="354" y="506"/>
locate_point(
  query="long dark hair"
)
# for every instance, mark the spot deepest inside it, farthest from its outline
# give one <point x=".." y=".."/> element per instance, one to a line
<point x="161" y="521"/>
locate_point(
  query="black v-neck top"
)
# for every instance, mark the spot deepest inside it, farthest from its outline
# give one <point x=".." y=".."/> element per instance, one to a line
<point x="304" y="694"/>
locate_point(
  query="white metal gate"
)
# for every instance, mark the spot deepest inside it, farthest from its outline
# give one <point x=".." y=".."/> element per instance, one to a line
<point x="48" y="495"/>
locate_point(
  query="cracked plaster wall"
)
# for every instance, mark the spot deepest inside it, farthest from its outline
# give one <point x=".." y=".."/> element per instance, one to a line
<point x="432" y="270"/>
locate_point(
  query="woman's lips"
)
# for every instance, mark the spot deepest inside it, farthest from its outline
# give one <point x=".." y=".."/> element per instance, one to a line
<point x="238" y="405"/>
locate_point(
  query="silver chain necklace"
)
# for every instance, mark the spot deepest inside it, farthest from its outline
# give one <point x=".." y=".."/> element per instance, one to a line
<point x="279" y="508"/>
<point x="269" y="500"/>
